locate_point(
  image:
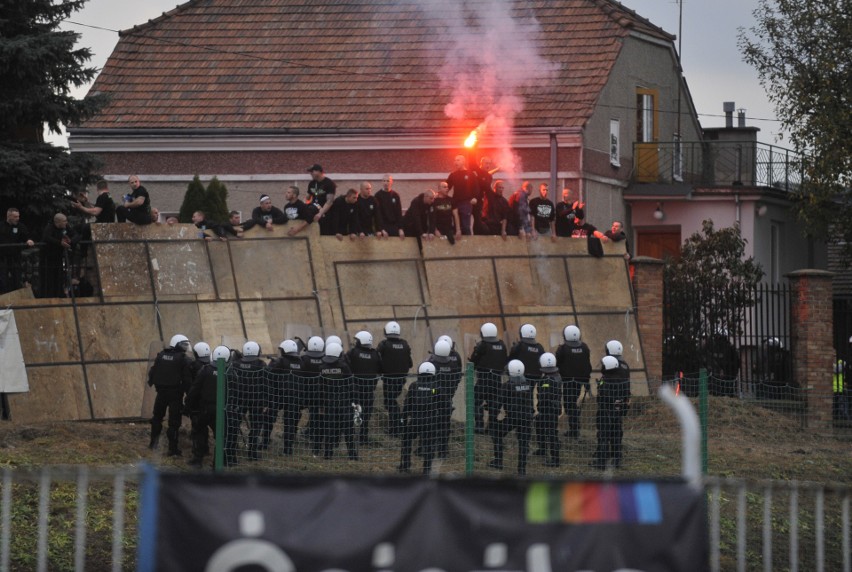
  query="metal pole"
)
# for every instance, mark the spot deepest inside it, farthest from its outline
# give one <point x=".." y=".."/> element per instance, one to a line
<point x="702" y="408"/>
<point x="468" y="420"/>
<point x="690" y="433"/>
<point x="218" y="459"/>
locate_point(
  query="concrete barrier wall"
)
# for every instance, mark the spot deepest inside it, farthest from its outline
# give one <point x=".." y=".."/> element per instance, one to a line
<point x="88" y="358"/>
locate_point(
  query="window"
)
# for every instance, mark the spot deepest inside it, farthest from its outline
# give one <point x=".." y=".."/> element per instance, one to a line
<point x="646" y="115"/>
<point x="614" y="148"/>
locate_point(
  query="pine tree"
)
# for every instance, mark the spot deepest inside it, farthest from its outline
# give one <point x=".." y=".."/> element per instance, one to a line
<point x="193" y="200"/>
<point x="38" y="68"/>
<point x="216" y="207"/>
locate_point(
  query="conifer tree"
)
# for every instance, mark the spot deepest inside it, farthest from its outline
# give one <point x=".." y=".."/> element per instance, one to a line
<point x="193" y="200"/>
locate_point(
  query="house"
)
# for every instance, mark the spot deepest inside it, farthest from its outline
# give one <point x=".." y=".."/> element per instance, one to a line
<point x="563" y="90"/>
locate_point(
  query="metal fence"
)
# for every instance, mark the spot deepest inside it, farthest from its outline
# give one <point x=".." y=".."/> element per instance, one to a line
<point x="740" y="335"/>
<point x="719" y="163"/>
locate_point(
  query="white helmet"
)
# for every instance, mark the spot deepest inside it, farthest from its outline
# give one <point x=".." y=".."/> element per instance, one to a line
<point x="202" y="351"/>
<point x="288" y="347"/>
<point x="251" y="349"/>
<point x="609" y="363"/>
<point x="333" y="350"/>
<point x="315" y="344"/>
<point x="332" y="339"/>
<point x="365" y="338"/>
<point x="221" y="352"/>
<point x="446" y="338"/>
<point x="426" y="368"/>
<point x="178" y="339"/>
<point x="488" y="331"/>
<point x="547" y="361"/>
<point x="392" y="329"/>
<point x="775" y="342"/>
<point x="528" y="332"/>
<point x="614" y="348"/>
<point x="442" y="348"/>
<point x="571" y="334"/>
<point x="516" y="368"/>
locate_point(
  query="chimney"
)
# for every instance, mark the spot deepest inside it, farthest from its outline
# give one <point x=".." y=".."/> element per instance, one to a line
<point x="729" y="107"/>
<point x="741" y="117"/>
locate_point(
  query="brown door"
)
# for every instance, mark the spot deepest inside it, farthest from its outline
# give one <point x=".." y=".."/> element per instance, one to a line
<point x="658" y="243"/>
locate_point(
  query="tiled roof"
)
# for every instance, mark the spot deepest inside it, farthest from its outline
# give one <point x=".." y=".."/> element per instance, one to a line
<point x="340" y="64"/>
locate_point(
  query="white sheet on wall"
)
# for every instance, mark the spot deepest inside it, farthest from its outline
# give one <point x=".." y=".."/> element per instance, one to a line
<point x="13" y="374"/>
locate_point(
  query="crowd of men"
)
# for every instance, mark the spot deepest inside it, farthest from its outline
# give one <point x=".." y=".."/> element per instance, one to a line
<point x="469" y="201"/>
<point x="523" y="389"/>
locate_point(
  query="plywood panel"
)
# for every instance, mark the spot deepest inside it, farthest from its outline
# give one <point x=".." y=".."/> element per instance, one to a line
<point x="599" y="283"/>
<point x="115" y="332"/>
<point x="221" y="324"/>
<point x="56" y="393"/>
<point x="180" y="319"/>
<point x="381" y="283"/>
<point x="272" y="268"/>
<point x="47" y="335"/>
<point x="124" y="269"/>
<point x="117" y="389"/>
<point x="181" y="268"/>
<point x="222" y="271"/>
<point x="461" y="287"/>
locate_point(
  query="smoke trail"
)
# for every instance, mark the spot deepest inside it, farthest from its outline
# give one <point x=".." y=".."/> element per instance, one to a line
<point x="491" y="56"/>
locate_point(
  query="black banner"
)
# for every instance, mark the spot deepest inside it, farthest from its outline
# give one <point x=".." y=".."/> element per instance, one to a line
<point x="288" y="524"/>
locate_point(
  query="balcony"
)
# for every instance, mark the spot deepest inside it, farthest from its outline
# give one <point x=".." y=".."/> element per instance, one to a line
<point x="717" y="164"/>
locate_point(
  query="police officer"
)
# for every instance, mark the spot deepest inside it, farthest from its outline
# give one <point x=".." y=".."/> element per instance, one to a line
<point x="448" y="372"/>
<point x="421" y="416"/>
<point x="489" y="358"/>
<point x="171" y="376"/>
<point x="395" y="354"/>
<point x="311" y="391"/>
<point x="201" y="402"/>
<point x="549" y="405"/>
<point x="573" y="359"/>
<point x="515" y="397"/>
<point x="613" y="401"/>
<point x="366" y="364"/>
<point x="284" y="381"/>
<point x="246" y="400"/>
<point x="529" y="351"/>
<point x="337" y="391"/>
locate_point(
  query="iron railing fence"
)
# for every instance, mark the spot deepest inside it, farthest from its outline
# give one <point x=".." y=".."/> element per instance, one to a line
<point x="718" y="164"/>
<point x="79" y="518"/>
<point x="740" y="335"/>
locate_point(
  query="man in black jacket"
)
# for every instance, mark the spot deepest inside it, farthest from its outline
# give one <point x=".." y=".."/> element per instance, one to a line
<point x="171" y="376"/>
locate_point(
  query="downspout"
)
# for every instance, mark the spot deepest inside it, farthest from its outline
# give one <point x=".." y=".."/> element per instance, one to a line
<point x="738" y="207"/>
<point x="554" y="166"/>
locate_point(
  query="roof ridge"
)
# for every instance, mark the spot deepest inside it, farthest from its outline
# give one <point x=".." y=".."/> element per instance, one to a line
<point x="161" y="17"/>
<point x="616" y="11"/>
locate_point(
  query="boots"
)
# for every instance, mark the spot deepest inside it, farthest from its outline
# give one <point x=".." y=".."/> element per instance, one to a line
<point x="173" y="449"/>
<point x="156" y="429"/>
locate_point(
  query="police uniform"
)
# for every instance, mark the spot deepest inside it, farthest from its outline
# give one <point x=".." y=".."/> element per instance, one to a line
<point x="575" y="366"/>
<point x="171" y="376"/>
<point x="311" y="397"/>
<point x="285" y="376"/>
<point x="366" y="364"/>
<point x="489" y="358"/>
<point x="529" y="354"/>
<point x="337" y="397"/>
<point x="420" y="418"/>
<point x="246" y="398"/>
<point x="546" y="421"/>
<point x="515" y="397"/>
<point x="395" y="354"/>
<point x="201" y="404"/>
<point x="613" y="400"/>
<point x="448" y="371"/>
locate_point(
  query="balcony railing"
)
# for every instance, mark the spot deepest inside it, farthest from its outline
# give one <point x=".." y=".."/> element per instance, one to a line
<point x="717" y="164"/>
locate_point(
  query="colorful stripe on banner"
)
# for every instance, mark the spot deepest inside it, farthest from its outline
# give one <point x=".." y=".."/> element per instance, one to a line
<point x="594" y="503"/>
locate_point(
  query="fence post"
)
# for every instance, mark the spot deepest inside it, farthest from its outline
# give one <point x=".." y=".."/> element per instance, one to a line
<point x="469" y="407"/>
<point x="811" y="340"/>
<point x="702" y="412"/>
<point x="648" y="297"/>
<point x="218" y="454"/>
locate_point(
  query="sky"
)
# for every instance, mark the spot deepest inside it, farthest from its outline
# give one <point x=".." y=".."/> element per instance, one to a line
<point x="712" y="64"/>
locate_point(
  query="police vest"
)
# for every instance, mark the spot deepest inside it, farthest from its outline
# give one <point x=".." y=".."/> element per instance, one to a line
<point x="489" y="356"/>
<point x="396" y="356"/>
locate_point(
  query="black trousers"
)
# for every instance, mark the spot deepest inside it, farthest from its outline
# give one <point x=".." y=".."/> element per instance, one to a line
<point x="169" y="398"/>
